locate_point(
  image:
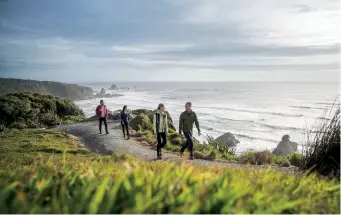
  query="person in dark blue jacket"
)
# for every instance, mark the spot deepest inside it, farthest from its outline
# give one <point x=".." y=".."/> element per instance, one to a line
<point x="125" y="117"/>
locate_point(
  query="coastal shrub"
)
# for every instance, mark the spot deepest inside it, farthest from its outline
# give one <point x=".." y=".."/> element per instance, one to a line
<point x="322" y="152"/>
<point x="150" y="114"/>
<point x="296" y="159"/>
<point x="33" y="110"/>
<point x="46" y="171"/>
<point x="227" y="156"/>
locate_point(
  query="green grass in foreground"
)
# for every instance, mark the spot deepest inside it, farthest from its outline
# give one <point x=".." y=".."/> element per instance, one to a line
<point x="49" y="172"/>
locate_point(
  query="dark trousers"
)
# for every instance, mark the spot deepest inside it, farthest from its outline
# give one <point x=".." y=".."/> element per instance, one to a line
<point x="189" y="143"/>
<point x="161" y="143"/>
<point x="125" y="127"/>
<point x="103" y="119"/>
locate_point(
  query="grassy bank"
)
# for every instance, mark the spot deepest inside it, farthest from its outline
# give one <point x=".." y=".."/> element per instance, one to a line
<point x="46" y="171"/>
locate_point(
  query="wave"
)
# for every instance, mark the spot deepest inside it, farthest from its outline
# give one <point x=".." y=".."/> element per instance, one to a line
<point x="258" y="123"/>
<point x="259" y="112"/>
<point x="255" y="138"/>
<point x="169" y="97"/>
<point x="306" y="107"/>
<point x="280" y="127"/>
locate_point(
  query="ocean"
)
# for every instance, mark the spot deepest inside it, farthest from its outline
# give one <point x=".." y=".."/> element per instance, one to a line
<point x="258" y="114"/>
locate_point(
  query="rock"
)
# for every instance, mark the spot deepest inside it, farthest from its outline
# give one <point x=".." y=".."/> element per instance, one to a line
<point x="199" y="155"/>
<point x="285" y="147"/>
<point x="228" y="139"/>
<point x="141" y="139"/>
<point x="285" y="163"/>
<point x="102" y="92"/>
<point x="114" y="115"/>
<point x="113" y="87"/>
<point x="132" y="132"/>
<point x="262" y="158"/>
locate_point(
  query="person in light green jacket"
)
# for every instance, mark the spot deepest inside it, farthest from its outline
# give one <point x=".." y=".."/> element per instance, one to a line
<point x="186" y="121"/>
<point x="160" y="125"/>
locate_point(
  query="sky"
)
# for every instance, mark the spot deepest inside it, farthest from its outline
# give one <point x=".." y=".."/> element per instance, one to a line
<point x="170" y="40"/>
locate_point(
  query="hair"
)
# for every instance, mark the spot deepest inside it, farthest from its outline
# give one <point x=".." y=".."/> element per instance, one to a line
<point x="101" y="101"/>
<point x="189" y="103"/>
<point x="124" y="107"/>
<point x="160" y="106"/>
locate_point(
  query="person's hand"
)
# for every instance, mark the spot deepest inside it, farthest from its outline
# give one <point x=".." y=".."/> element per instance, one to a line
<point x="199" y="133"/>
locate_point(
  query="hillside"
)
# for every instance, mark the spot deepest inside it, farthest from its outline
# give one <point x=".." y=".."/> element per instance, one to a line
<point x="70" y="91"/>
<point x="46" y="171"/>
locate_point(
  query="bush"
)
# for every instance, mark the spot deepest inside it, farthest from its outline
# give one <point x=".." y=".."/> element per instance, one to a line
<point x="33" y="110"/>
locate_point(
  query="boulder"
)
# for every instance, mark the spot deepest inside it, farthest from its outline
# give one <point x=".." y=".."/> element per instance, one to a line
<point x="285" y="147"/>
<point x="262" y="158"/>
<point x="228" y="139"/>
<point x="141" y="139"/>
<point x="285" y="163"/>
<point x="102" y="92"/>
<point x="113" y="87"/>
<point x="199" y="155"/>
<point x="114" y="115"/>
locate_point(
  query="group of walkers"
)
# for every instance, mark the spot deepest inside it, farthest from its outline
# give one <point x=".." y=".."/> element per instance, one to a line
<point x="160" y="125"/>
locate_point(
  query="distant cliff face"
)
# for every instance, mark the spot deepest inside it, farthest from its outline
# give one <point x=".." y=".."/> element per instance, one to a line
<point x="70" y="91"/>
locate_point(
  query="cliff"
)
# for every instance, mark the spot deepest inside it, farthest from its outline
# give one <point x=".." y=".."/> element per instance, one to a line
<point x="70" y="91"/>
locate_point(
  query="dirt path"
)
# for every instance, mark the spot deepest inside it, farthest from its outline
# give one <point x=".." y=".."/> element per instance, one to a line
<point x="114" y="142"/>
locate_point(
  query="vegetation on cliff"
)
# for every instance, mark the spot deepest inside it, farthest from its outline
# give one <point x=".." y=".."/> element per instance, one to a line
<point x="70" y="91"/>
<point x="34" y="110"/>
<point x="44" y="171"/>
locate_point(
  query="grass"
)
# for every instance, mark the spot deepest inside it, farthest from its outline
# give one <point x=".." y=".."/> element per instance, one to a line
<point x="322" y="152"/>
<point x="45" y="171"/>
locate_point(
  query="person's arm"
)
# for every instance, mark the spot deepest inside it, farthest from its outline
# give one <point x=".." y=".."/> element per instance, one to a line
<point x="120" y="116"/>
<point x="180" y="123"/>
<point x="97" y="111"/>
<point x="166" y="124"/>
<point x="154" y="123"/>
<point x="196" y="122"/>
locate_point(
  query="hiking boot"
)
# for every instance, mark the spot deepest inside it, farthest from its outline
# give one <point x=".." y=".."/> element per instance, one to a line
<point x="107" y="132"/>
<point x="181" y="154"/>
<point x="159" y="157"/>
<point x="191" y="157"/>
<point x="100" y="132"/>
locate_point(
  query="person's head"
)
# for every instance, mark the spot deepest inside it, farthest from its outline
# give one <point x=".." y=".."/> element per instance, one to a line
<point x="124" y="108"/>
<point x="188" y="106"/>
<point x="101" y="102"/>
<point x="161" y="107"/>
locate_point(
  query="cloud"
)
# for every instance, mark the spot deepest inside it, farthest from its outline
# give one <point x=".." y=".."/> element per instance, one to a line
<point x="198" y="39"/>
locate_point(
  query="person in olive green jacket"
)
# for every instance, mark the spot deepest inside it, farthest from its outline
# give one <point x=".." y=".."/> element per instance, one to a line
<point x="186" y="121"/>
<point x="160" y="129"/>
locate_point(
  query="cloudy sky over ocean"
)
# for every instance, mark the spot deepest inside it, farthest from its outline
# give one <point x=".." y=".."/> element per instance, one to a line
<point x="174" y="40"/>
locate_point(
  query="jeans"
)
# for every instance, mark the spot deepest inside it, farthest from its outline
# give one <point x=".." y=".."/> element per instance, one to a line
<point x="103" y="119"/>
<point x="161" y="143"/>
<point x="125" y="127"/>
<point x="189" y="143"/>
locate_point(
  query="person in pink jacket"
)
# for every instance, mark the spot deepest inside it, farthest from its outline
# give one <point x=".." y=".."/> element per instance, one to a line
<point x="102" y="113"/>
